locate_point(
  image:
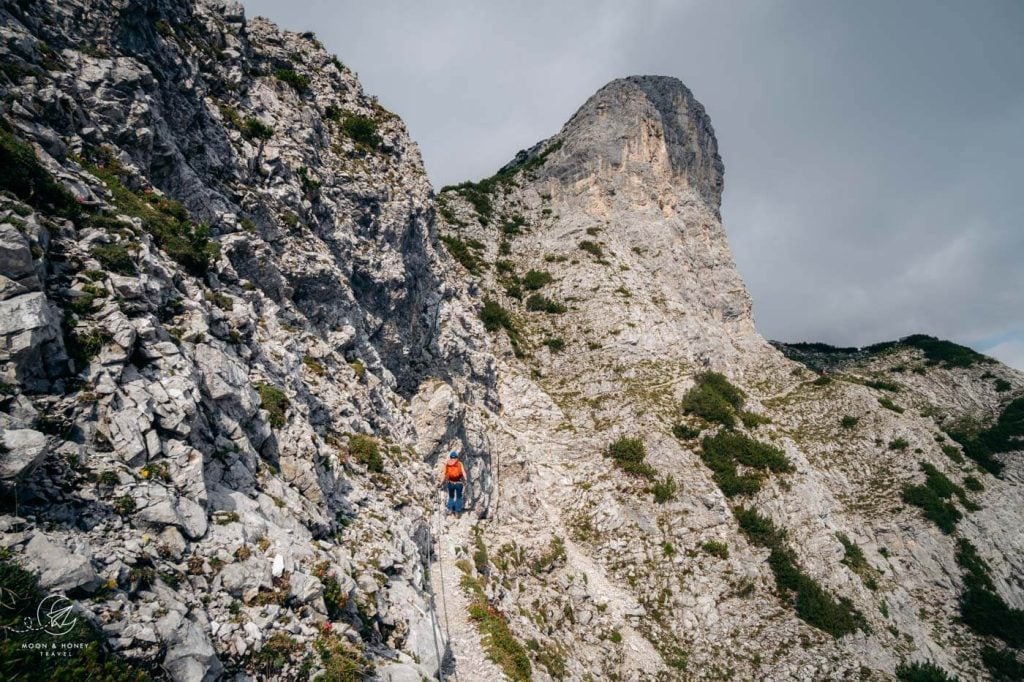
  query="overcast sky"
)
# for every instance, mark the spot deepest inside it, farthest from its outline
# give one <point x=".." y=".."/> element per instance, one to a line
<point x="874" y="151"/>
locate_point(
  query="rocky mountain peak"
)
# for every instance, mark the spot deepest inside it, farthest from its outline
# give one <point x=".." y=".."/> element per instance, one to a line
<point x="639" y="126"/>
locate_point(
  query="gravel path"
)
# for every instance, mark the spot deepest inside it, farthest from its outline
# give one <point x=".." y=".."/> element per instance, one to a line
<point x="470" y="660"/>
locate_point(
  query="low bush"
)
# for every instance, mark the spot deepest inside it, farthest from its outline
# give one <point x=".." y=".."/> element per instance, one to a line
<point x="341" y="661"/>
<point x="1002" y="385"/>
<point x="883" y="385"/>
<point x="364" y="449"/>
<point x="922" y="672"/>
<point x="254" y="129"/>
<point x="465" y="252"/>
<point x="716" y="548"/>
<point x="714" y="399"/>
<point x="848" y="421"/>
<point x="899" y="444"/>
<point x="22" y="174"/>
<point x="752" y="420"/>
<point x="723" y="451"/>
<point x="890" y="405"/>
<point x="813" y="605"/>
<point x="628" y="454"/>
<point x="275" y="402"/>
<point x="535" y="279"/>
<point x="556" y="344"/>
<point x="538" y="303"/>
<point x="972" y="483"/>
<point x="593" y="248"/>
<point x="823" y="380"/>
<point x="935" y="508"/>
<point x="362" y="130"/>
<point x="298" y="81"/>
<point x="685" y="432"/>
<point x="114" y="257"/>
<point x="665" y="489"/>
<point x="1005" y="435"/>
<point x="981" y="607"/>
<point x="1003" y="666"/>
<point x="166" y="220"/>
<point x="953" y="453"/>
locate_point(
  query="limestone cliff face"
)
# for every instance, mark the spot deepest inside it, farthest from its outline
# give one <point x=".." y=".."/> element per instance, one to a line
<point x="237" y="328"/>
<point x="610" y="289"/>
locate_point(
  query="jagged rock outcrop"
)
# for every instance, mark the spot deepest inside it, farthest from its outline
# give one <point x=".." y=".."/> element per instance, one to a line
<point x="233" y="346"/>
<point x="611" y="291"/>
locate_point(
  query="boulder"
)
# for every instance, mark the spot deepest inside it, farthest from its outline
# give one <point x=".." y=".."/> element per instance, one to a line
<point x="22" y="451"/>
<point x="190" y="655"/>
<point x="58" y="566"/>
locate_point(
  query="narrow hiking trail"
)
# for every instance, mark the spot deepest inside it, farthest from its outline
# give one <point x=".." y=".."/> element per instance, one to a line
<point x="452" y="606"/>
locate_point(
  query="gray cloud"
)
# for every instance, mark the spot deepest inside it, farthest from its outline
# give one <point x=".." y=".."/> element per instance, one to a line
<point x="873" y="150"/>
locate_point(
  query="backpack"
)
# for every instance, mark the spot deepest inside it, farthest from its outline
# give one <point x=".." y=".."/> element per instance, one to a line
<point x="453" y="471"/>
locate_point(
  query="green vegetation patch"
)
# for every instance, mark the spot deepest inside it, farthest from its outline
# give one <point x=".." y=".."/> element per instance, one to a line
<point x="166" y="220"/>
<point x="849" y="421"/>
<point x="714" y="399"/>
<point x="936" y="351"/>
<point x="535" y="279"/>
<point x="365" y="450"/>
<point x="495" y="317"/>
<point x="922" y="672"/>
<point x="933" y="498"/>
<point x="981" y="607"/>
<point x="362" y="130"/>
<point x="539" y="303"/>
<point x="665" y="489"/>
<point x="685" y="432"/>
<point x="22" y="174"/>
<point x="254" y="129"/>
<point x="1003" y="665"/>
<point x="299" y="82"/>
<point x="813" y="604"/>
<point x="466" y="252"/>
<point x="628" y="454"/>
<point x="114" y="257"/>
<point x="890" y="405"/>
<point x="726" y="449"/>
<point x="1005" y="435"/>
<point x="275" y="402"/>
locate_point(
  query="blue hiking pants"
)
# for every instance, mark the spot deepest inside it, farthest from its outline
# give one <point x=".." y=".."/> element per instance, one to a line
<point x="455" y="497"/>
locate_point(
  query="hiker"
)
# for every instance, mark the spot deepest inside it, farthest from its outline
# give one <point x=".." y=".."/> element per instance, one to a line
<point x="455" y="478"/>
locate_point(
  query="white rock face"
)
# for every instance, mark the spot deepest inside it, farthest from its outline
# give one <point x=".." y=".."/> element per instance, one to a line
<point x="232" y="356"/>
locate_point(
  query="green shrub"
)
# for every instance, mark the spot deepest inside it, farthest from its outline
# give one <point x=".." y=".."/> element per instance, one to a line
<point x="723" y="451"/>
<point x="823" y="380"/>
<point x="953" y="453"/>
<point x="593" y="248"/>
<point x="535" y="279"/>
<point x="165" y="220"/>
<point x="298" y="81"/>
<point x="685" y="432"/>
<point x="899" y="444"/>
<point x="664" y="489"/>
<point x="538" y="303"/>
<point x="890" y="405"/>
<point x="972" y="483"/>
<point x="22" y="174"/>
<point x="1003" y="666"/>
<point x="713" y="399"/>
<point x="513" y="227"/>
<point x="848" y="421"/>
<point x="1002" y="385"/>
<point x="752" y="420"/>
<point x="883" y="385"/>
<point x="464" y="253"/>
<point x="556" y="344"/>
<point x="813" y="605"/>
<point x="981" y="607"/>
<point x="1005" y="435"/>
<point x="716" y="548"/>
<point x="341" y="661"/>
<point x="554" y="554"/>
<point x="922" y="672"/>
<point x="84" y="346"/>
<point x="628" y="454"/>
<point x="936" y="351"/>
<point x="364" y="449"/>
<point x="114" y="257"/>
<point x="362" y="130"/>
<point x="255" y="129"/>
<point x="935" y="508"/>
<point x="275" y="402"/>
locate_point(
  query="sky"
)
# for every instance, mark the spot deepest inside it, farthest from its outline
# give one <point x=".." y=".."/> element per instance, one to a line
<point x="873" y="150"/>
